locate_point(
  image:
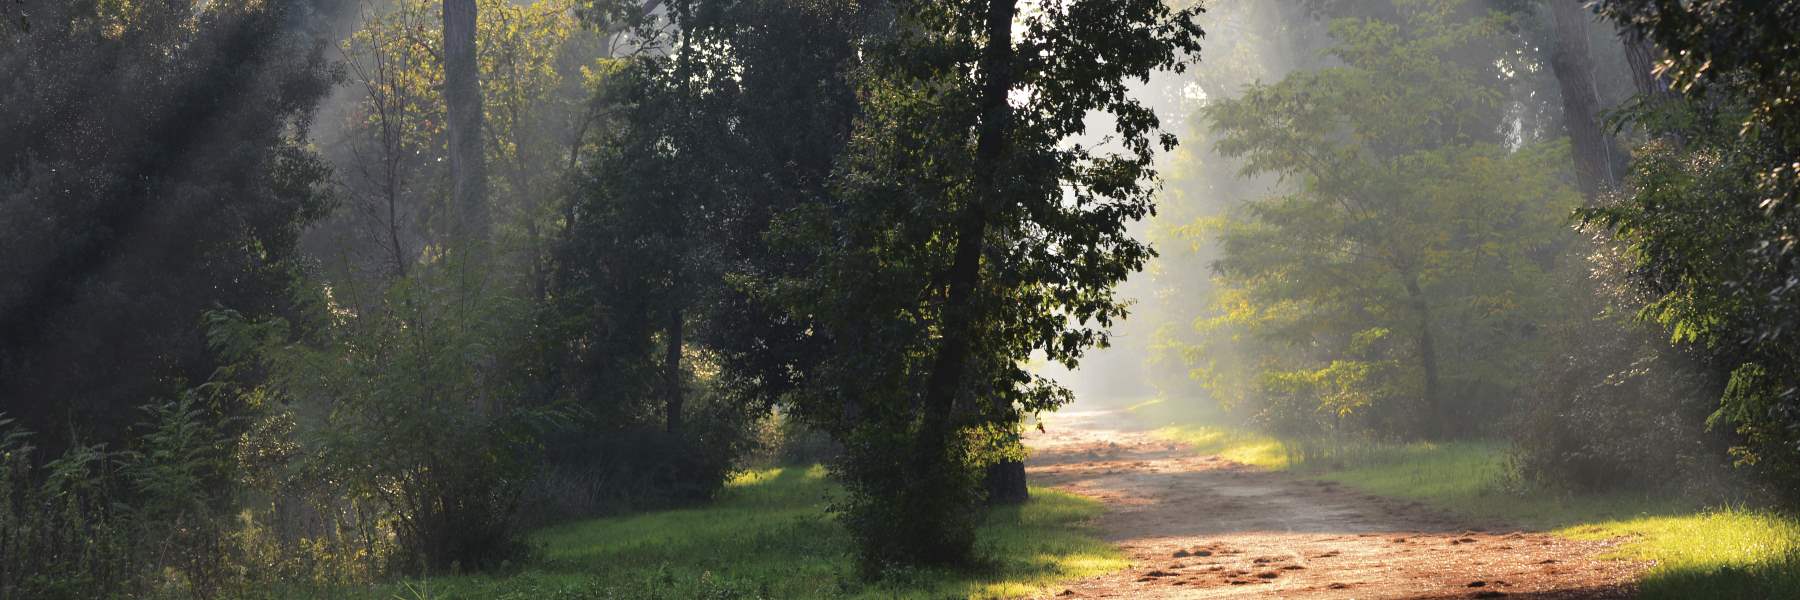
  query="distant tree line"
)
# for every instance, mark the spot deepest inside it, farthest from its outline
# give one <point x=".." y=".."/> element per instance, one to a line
<point x="1481" y="215"/>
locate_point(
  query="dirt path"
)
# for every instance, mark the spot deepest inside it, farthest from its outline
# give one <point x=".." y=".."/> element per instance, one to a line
<point x="1204" y="527"/>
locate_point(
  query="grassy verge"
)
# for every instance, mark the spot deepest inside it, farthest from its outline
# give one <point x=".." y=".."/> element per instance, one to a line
<point x="770" y="537"/>
<point x="1698" y="552"/>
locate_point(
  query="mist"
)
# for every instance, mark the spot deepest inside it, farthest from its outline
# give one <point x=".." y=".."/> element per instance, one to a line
<point x="748" y="299"/>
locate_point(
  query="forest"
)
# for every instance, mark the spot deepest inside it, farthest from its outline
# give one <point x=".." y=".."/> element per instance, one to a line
<point x="734" y="299"/>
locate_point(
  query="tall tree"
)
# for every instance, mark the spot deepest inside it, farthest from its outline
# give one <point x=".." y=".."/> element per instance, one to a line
<point x="463" y="113"/>
<point x="1713" y="210"/>
<point x="956" y="232"/>
<point x="1597" y="160"/>
<point x="960" y="310"/>
<point x="1398" y="276"/>
<point x="152" y="166"/>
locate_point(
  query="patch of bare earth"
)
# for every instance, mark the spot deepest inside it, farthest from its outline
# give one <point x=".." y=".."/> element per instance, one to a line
<point x="1205" y="527"/>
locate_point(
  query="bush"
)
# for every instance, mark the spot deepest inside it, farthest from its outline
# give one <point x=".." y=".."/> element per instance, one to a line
<point x="59" y="530"/>
<point x="408" y="410"/>
<point x="153" y="520"/>
<point x="899" y="518"/>
<point x="784" y="440"/>
<point x="1617" y="407"/>
<point x="593" y="468"/>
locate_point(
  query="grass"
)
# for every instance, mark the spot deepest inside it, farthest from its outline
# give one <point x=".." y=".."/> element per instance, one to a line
<point x="1248" y="448"/>
<point x="770" y="536"/>
<point x="1200" y="429"/>
<point x="1698" y="552"/>
<point x="1721" y="553"/>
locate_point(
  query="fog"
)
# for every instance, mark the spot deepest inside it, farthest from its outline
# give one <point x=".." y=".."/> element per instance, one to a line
<point x="1250" y="42"/>
<point x="747" y="299"/>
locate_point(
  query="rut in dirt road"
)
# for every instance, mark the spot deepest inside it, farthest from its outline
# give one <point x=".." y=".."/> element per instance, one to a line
<point x="1205" y="527"/>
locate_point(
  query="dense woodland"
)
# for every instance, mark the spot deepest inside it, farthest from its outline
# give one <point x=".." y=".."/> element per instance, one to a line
<point x="333" y="292"/>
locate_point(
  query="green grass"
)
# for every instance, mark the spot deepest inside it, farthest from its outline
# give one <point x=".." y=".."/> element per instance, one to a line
<point x="770" y="536"/>
<point x="1721" y="553"/>
<point x="1698" y="552"/>
<point x="1248" y="448"/>
<point x="1199" y="428"/>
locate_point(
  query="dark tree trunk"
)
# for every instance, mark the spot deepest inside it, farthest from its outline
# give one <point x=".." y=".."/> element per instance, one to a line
<point x="1439" y="427"/>
<point x="1006" y="483"/>
<point x="1641" y="57"/>
<point x="463" y="115"/>
<point x="965" y="269"/>
<point x="1596" y="159"/>
<point x="672" y="371"/>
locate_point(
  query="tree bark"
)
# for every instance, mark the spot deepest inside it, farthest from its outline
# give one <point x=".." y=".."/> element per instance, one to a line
<point x="1641" y="57"/>
<point x="965" y="270"/>
<point x="1439" y="427"/>
<point x="463" y="115"/>
<point x="1006" y="483"/>
<point x="1597" y="161"/>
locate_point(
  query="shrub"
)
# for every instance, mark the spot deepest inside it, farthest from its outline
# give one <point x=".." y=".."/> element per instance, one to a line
<point x="1617" y="407"/>
<point x="408" y="409"/>
<point x="594" y="468"/>
<point x="898" y="519"/>
<point x="153" y="520"/>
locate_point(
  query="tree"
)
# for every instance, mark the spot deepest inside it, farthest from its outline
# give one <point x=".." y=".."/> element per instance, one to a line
<point x="1708" y="219"/>
<point x="960" y="313"/>
<point x="1597" y="160"/>
<point x="958" y="238"/>
<point x="1407" y="266"/>
<point x="463" y="116"/>
<point x="152" y="166"/>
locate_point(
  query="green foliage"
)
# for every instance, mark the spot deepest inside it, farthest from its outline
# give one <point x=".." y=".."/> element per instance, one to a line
<point x="1705" y="223"/>
<point x="1615" y="407"/>
<point x="407" y="409"/>
<point x="879" y="250"/>
<point x="533" y="60"/>
<point x="151" y="521"/>
<point x="810" y="253"/>
<point x="770" y="536"/>
<point x="63" y="538"/>
<point x="1396" y="288"/>
<point x="153" y="165"/>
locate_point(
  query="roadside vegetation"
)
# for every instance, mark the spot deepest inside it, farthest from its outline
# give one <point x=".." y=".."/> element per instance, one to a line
<point x="1531" y="263"/>
<point x="770" y="535"/>
<point x="1699" y="549"/>
<point x="463" y="297"/>
<point x="338" y="293"/>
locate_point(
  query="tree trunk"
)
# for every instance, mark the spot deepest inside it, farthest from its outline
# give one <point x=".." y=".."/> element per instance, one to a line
<point x="463" y="115"/>
<point x="1439" y="427"/>
<point x="1596" y="159"/>
<point x="1006" y="483"/>
<point x="1641" y="57"/>
<point x="965" y="269"/>
<point x="672" y="371"/>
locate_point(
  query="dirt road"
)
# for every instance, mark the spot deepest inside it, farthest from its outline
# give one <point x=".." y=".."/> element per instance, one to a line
<point x="1204" y="527"/>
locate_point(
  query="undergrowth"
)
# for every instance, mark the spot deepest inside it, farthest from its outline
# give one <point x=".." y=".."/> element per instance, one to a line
<point x="770" y="536"/>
